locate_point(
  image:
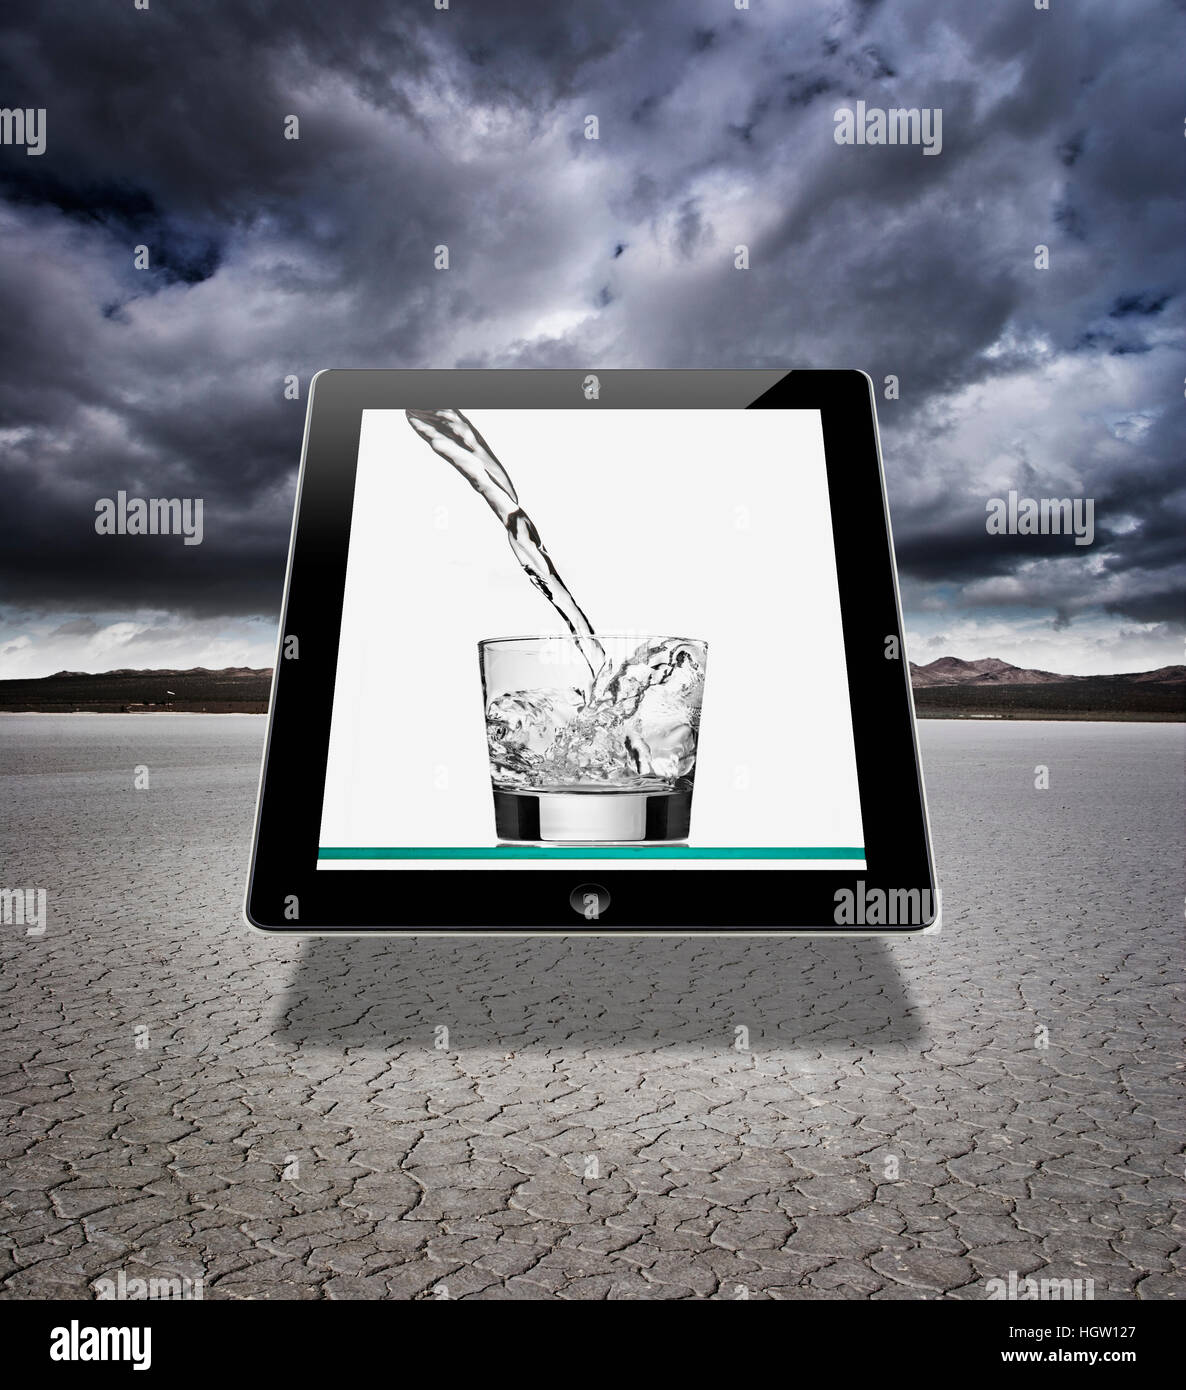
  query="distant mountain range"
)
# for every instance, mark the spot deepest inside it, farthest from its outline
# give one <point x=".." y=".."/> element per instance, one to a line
<point x="953" y="689"/>
<point x="233" y="690"/>
<point x="950" y="670"/>
<point x="944" y="689"/>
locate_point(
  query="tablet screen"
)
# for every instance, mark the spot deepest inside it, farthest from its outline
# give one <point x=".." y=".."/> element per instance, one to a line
<point x="572" y="637"/>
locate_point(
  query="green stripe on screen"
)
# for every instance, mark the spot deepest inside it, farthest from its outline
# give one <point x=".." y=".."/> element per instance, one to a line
<point x="600" y="852"/>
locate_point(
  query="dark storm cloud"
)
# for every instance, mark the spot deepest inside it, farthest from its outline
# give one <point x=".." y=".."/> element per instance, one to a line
<point x="178" y="251"/>
<point x="272" y="257"/>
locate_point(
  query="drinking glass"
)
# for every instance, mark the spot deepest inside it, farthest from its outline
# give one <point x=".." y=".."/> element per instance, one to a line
<point x="592" y="748"/>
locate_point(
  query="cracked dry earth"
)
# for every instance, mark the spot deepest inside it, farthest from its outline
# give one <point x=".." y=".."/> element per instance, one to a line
<point x="287" y="1129"/>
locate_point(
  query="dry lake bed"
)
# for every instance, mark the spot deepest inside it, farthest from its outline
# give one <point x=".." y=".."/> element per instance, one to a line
<point x="186" y="1099"/>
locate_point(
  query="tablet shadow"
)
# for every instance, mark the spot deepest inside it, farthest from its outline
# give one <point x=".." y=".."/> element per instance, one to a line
<point x="614" y="993"/>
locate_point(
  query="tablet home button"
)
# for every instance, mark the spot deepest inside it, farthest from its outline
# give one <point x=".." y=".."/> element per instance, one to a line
<point x="589" y="900"/>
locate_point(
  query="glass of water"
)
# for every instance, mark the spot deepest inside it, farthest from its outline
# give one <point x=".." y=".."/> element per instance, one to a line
<point x="592" y="742"/>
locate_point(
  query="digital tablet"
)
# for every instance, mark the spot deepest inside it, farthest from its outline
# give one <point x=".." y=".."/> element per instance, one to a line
<point x="591" y="651"/>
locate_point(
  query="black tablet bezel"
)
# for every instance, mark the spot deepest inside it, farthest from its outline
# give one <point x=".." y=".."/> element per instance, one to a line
<point x="288" y="893"/>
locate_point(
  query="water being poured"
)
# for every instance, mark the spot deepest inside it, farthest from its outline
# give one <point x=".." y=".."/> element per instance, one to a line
<point x="629" y="725"/>
<point x="450" y="434"/>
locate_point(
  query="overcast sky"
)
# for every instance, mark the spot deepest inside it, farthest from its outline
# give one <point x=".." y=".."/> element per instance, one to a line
<point x="272" y="257"/>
